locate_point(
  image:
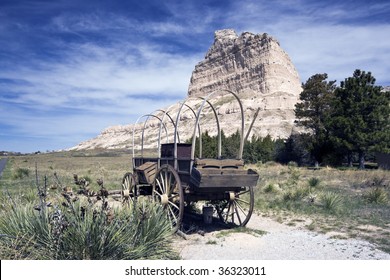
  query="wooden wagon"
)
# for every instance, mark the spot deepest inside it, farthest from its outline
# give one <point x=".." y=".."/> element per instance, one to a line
<point x="175" y="177"/>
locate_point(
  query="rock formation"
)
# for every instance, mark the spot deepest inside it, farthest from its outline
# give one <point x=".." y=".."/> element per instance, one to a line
<point x="252" y="65"/>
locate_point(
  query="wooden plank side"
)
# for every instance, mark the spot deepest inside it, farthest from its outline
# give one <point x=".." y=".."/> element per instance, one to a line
<point x="214" y="178"/>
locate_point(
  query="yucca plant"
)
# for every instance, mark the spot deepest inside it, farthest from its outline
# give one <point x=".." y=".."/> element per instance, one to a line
<point x="331" y="201"/>
<point x="83" y="231"/>
<point x="376" y="195"/>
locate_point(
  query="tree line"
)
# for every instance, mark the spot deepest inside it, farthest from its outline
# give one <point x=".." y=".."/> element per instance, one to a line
<point x="339" y="123"/>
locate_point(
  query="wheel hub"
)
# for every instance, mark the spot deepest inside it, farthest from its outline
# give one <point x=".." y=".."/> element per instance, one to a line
<point x="164" y="199"/>
<point x="232" y="196"/>
<point x="126" y="193"/>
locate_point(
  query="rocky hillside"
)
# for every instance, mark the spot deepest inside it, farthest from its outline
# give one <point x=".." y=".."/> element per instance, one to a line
<point x="252" y="65"/>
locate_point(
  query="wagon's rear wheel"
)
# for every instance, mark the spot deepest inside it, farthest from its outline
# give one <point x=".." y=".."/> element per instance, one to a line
<point x="128" y="194"/>
<point x="237" y="208"/>
<point x="167" y="190"/>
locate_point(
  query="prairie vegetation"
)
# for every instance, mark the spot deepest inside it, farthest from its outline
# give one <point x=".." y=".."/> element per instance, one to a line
<point x="43" y="215"/>
<point x="343" y="203"/>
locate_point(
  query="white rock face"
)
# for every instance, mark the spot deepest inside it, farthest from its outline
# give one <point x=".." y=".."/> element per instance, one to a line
<point x="252" y="65"/>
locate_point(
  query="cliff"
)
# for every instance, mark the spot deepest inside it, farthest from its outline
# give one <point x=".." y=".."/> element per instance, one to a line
<point x="252" y="65"/>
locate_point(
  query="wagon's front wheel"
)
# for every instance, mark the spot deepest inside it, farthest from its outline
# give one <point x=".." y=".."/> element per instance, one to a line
<point x="237" y="208"/>
<point x="128" y="189"/>
<point x="167" y="190"/>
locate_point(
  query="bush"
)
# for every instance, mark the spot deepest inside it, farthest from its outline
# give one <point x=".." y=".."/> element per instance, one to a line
<point x="271" y="188"/>
<point x="314" y="182"/>
<point x="20" y="173"/>
<point x="376" y="195"/>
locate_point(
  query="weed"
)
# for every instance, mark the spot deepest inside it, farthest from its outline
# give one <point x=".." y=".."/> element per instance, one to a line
<point x="211" y="242"/>
<point x="254" y="232"/>
<point x="311" y="226"/>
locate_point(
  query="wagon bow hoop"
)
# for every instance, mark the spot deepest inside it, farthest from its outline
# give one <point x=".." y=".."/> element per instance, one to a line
<point x="240" y="152"/>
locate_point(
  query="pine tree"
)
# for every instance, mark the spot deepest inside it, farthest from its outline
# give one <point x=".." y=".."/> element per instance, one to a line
<point x="360" y="119"/>
<point x="313" y="112"/>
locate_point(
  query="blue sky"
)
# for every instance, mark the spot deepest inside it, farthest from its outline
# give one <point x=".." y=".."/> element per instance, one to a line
<point x="70" y="68"/>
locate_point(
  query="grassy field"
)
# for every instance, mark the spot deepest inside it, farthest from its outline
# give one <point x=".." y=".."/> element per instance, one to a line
<point x="343" y="203"/>
<point x="20" y="174"/>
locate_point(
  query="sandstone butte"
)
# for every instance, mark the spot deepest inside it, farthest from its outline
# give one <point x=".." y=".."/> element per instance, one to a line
<point x="252" y="65"/>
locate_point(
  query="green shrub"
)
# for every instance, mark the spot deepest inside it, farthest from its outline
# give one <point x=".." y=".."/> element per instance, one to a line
<point x="270" y="188"/>
<point x="20" y="173"/>
<point x="314" y="182"/>
<point x="376" y="195"/>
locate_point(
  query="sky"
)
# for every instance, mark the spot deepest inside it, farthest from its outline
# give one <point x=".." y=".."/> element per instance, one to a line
<point x="69" y="68"/>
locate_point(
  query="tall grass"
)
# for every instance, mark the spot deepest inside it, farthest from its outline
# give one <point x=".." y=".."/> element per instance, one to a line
<point x="76" y="230"/>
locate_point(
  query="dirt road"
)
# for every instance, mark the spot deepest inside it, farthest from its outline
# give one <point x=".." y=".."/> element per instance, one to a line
<point x="280" y="242"/>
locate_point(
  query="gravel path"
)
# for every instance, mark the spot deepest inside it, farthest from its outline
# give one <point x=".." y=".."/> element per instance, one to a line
<point x="281" y="242"/>
<point x="3" y="163"/>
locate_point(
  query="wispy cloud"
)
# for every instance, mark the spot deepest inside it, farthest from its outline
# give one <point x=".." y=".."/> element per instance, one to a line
<point x="324" y="37"/>
<point x="69" y="71"/>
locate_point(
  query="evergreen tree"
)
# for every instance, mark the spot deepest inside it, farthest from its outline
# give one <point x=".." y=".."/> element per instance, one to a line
<point x="360" y="119"/>
<point x="313" y="112"/>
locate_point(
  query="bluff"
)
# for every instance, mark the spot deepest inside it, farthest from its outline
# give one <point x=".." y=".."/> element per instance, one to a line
<point x="252" y="65"/>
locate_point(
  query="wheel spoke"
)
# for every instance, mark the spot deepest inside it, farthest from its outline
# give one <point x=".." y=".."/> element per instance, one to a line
<point x="237" y="210"/>
<point x="242" y="209"/>
<point x="167" y="184"/>
<point x="174" y="205"/>
<point x="243" y="201"/>
<point x="172" y="213"/>
<point x="237" y="214"/>
<point x="241" y="193"/>
<point x="163" y="186"/>
<point x="169" y="178"/>
<point x="228" y="212"/>
<point x="128" y="194"/>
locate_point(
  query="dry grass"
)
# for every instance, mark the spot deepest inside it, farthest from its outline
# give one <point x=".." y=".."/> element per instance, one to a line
<point x="92" y="165"/>
<point x="300" y="196"/>
<point x="348" y="203"/>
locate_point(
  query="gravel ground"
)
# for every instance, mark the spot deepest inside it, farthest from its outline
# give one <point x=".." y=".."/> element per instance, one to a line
<point x="281" y="242"/>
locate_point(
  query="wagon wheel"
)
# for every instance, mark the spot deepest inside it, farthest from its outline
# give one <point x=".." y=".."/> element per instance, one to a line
<point x="237" y="208"/>
<point x="167" y="190"/>
<point x="128" y="194"/>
